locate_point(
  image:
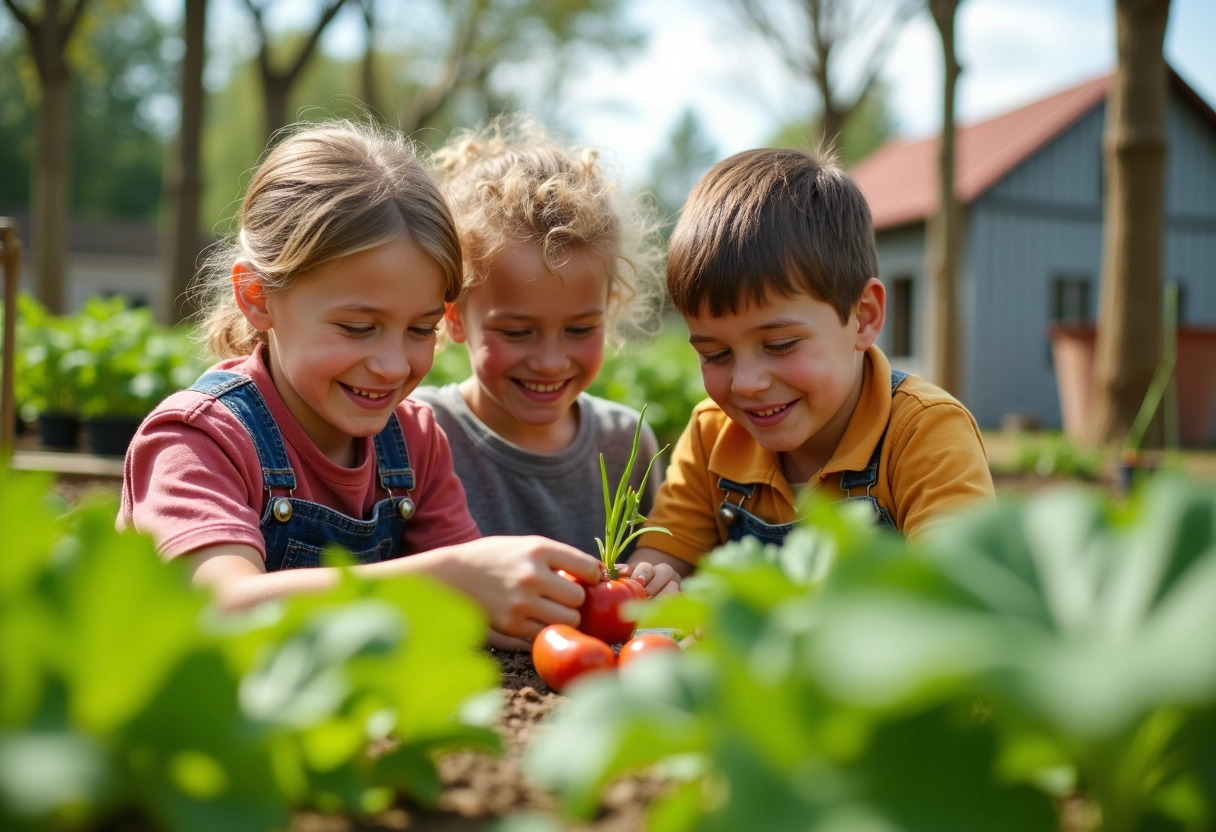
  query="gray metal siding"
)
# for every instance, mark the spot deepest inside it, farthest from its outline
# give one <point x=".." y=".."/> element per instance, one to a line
<point x="1065" y="172"/>
<point x="1013" y="259"/>
<point x="1190" y="163"/>
<point x="1044" y="220"/>
<point x="901" y="253"/>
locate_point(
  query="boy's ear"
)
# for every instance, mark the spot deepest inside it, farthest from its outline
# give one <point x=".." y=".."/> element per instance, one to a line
<point x="871" y="312"/>
<point x="451" y="315"/>
<point x="250" y="295"/>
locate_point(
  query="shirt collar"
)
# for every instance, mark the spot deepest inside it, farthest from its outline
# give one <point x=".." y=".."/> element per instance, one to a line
<point x="738" y="457"/>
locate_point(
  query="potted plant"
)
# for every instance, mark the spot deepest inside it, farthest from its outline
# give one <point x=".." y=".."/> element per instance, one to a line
<point x="45" y="374"/>
<point x="128" y="364"/>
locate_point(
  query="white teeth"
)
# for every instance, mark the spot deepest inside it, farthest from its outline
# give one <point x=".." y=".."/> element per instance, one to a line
<point x="542" y="388"/>
<point x="368" y="393"/>
<point x="769" y="412"/>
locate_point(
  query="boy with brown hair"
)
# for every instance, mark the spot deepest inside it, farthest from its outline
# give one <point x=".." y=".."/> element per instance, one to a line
<point x="774" y="268"/>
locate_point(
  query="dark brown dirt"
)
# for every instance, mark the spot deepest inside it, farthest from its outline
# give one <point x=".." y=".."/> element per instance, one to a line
<point x="481" y="789"/>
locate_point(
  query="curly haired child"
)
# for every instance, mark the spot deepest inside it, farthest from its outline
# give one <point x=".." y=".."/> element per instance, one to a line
<point x="557" y="264"/>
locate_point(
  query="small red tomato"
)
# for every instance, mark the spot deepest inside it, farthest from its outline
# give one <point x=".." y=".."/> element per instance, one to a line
<point x="645" y="643"/>
<point x="562" y="654"/>
<point x="601" y="611"/>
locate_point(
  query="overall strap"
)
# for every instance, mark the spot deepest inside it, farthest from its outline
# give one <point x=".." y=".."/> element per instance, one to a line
<point x="241" y="396"/>
<point x="393" y="457"/>
<point x="868" y="476"/>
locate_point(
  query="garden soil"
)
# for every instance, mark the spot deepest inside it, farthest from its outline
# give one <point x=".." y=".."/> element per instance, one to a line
<point x="479" y="790"/>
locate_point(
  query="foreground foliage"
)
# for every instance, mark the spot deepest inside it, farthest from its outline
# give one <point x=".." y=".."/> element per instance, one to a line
<point x="125" y="700"/>
<point x="1028" y="655"/>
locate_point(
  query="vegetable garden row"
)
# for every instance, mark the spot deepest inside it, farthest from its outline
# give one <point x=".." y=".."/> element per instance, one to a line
<point x="1045" y="664"/>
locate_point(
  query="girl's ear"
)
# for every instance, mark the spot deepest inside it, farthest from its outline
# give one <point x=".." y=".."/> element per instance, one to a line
<point x="250" y="295"/>
<point x="871" y="312"/>
<point x="451" y="314"/>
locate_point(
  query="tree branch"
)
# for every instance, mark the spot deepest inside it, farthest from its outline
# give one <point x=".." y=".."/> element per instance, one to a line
<point x="73" y="19"/>
<point x="27" y="22"/>
<point x="428" y="102"/>
<point x="314" y="38"/>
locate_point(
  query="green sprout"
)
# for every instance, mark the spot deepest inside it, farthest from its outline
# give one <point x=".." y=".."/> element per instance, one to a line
<point x="621" y="514"/>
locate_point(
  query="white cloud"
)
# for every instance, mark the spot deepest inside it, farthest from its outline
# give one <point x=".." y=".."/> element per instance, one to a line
<point x="1012" y="51"/>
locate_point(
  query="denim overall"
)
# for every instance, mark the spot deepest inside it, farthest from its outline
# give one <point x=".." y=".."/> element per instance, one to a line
<point x="741" y="523"/>
<point x="296" y="530"/>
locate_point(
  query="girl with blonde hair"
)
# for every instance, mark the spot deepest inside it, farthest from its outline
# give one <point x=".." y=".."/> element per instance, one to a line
<point x="324" y="310"/>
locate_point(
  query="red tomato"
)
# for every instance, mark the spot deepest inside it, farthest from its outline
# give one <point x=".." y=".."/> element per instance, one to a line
<point x="645" y="643"/>
<point x="562" y="654"/>
<point x="601" y="611"/>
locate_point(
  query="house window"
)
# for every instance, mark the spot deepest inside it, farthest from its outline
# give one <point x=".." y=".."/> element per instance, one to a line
<point x="1070" y="298"/>
<point x="901" y="317"/>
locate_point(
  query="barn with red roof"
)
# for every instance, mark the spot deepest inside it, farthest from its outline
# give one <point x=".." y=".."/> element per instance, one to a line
<point x="1031" y="185"/>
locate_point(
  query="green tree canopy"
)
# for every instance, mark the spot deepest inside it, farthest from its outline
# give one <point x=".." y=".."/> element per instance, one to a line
<point x="122" y="108"/>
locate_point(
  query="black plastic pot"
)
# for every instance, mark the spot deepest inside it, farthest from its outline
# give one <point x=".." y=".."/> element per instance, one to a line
<point x="58" y="430"/>
<point x="110" y="435"/>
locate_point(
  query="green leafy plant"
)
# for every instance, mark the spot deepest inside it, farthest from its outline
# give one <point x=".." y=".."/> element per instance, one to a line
<point x="44" y="369"/>
<point x="621" y="515"/>
<point x="1024" y="657"/>
<point x="603" y="613"/>
<point x="662" y="373"/>
<point x="125" y="701"/>
<point x="1058" y="456"/>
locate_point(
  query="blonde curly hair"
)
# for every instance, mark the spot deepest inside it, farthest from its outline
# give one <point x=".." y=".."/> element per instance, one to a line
<point x="326" y="191"/>
<point x="510" y="182"/>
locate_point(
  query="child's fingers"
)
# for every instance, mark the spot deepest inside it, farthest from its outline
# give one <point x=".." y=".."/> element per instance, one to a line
<point x="502" y="641"/>
<point x="579" y="564"/>
<point x="669" y="588"/>
<point x="545" y="611"/>
<point x="562" y="590"/>
<point x="660" y="577"/>
<point x="642" y="573"/>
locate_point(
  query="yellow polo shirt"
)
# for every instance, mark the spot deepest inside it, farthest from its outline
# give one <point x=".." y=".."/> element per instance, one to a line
<point x="933" y="461"/>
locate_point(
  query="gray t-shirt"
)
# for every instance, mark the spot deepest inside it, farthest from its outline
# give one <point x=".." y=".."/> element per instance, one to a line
<point x="514" y="491"/>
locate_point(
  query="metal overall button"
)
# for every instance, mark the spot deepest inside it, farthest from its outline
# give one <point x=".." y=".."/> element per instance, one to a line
<point x="729" y="512"/>
<point x="405" y="506"/>
<point x="282" y="509"/>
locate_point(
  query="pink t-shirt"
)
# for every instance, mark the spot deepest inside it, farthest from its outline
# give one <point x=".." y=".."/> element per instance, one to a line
<point x="192" y="477"/>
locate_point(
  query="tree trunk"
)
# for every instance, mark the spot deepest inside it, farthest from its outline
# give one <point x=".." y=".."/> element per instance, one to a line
<point x="1133" y="149"/>
<point x="277" y="83"/>
<point x="943" y="242"/>
<point x="50" y="179"/>
<point x="275" y="89"/>
<point x="371" y="93"/>
<point x="184" y="179"/>
<point x="49" y="193"/>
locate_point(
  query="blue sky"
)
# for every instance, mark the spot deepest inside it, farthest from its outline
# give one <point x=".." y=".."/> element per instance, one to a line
<point x="1012" y="52"/>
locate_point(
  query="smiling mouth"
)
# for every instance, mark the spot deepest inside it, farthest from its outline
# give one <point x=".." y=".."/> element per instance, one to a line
<point x="368" y="394"/>
<point x="538" y="387"/>
<point x="771" y="411"/>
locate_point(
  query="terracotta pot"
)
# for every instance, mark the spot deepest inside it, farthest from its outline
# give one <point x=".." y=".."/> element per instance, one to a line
<point x="1072" y="349"/>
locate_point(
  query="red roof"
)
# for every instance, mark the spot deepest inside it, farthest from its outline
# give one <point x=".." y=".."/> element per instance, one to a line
<point x="900" y="178"/>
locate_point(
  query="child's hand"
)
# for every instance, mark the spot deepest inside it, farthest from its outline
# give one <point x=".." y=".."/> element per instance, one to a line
<point x="657" y="578"/>
<point x="515" y="580"/>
